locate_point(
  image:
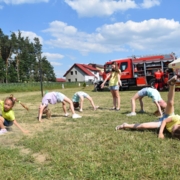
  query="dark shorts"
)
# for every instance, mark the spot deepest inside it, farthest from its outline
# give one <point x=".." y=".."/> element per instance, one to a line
<point x="158" y="80"/>
<point x="8" y="123"/>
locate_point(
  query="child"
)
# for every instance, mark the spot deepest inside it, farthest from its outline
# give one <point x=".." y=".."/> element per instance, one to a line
<point x="114" y="84"/>
<point x="8" y="118"/>
<point x="78" y="99"/>
<point x="53" y="98"/>
<point x="172" y="122"/>
<point x="152" y="93"/>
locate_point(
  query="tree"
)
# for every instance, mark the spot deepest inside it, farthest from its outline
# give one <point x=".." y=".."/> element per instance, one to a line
<point x="2" y="70"/>
<point x="38" y="52"/>
<point x="2" y="65"/>
<point x="12" y="73"/>
<point x="47" y="70"/>
<point x="6" y="48"/>
<point x="20" y="60"/>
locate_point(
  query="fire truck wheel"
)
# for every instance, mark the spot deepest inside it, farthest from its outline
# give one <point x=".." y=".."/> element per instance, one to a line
<point x="151" y="82"/>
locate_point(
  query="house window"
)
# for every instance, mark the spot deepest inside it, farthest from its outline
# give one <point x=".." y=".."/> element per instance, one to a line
<point x="95" y="72"/>
<point x="69" y="80"/>
<point x="76" y="72"/>
<point x="76" y="79"/>
<point x="71" y="72"/>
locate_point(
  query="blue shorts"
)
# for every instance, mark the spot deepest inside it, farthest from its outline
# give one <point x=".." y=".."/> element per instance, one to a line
<point x="160" y="120"/>
<point x="114" y="87"/>
<point x="7" y="123"/>
<point x="77" y="95"/>
<point x="60" y="97"/>
<point x="142" y="92"/>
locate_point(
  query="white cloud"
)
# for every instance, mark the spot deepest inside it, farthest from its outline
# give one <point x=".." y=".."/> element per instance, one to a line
<point x="100" y="7"/>
<point x="57" y="27"/>
<point x="56" y="64"/>
<point x="53" y="56"/>
<point x="22" y="1"/>
<point x="150" y="3"/>
<point x="71" y="57"/>
<point x="150" y="34"/>
<point x="107" y="7"/>
<point x="59" y="73"/>
<point x="31" y="36"/>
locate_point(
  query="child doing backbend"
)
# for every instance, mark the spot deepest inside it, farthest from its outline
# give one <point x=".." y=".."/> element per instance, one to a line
<point x="154" y="95"/>
<point x="8" y="118"/>
<point x="53" y="98"/>
<point x="78" y="99"/>
<point x="169" y="121"/>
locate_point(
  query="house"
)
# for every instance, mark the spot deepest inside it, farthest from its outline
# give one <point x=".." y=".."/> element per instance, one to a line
<point x="60" y="80"/>
<point x="97" y="66"/>
<point x="83" y="73"/>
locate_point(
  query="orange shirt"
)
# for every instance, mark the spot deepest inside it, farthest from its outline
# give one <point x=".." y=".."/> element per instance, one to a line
<point x="157" y="75"/>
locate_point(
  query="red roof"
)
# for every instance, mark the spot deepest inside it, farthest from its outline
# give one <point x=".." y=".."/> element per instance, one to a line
<point x="85" y="68"/>
<point x="60" y="80"/>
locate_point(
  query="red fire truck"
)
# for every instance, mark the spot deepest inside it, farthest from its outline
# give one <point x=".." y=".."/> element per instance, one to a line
<point x="139" y="71"/>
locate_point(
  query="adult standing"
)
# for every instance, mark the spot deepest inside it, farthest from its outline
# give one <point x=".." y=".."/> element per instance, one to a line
<point x="166" y="78"/>
<point x="158" y="80"/>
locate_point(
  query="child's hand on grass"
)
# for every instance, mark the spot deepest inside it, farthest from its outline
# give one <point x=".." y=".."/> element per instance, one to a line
<point x="161" y="136"/>
<point x="26" y="132"/>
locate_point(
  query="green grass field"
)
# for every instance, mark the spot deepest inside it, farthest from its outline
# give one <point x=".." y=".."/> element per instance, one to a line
<point x="88" y="148"/>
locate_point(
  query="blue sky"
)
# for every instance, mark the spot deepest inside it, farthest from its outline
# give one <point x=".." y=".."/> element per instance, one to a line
<point x="94" y="31"/>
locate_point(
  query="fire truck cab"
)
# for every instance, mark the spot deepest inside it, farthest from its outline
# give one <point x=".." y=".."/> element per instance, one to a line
<point x="139" y="71"/>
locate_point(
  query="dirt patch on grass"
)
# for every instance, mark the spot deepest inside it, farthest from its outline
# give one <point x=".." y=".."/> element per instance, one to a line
<point x="39" y="158"/>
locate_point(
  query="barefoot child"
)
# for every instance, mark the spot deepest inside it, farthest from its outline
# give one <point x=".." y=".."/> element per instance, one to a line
<point x="151" y="93"/>
<point x="78" y="99"/>
<point x="114" y="82"/>
<point x="8" y="118"/>
<point x="53" y="98"/>
<point x="169" y="121"/>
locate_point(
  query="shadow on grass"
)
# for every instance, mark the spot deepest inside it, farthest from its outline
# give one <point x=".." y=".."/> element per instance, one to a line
<point x="59" y="116"/>
<point x="166" y="133"/>
<point x="140" y="113"/>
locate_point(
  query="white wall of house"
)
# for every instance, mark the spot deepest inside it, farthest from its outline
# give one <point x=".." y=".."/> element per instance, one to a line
<point x="77" y="75"/>
<point x="99" y="78"/>
<point x="89" y="78"/>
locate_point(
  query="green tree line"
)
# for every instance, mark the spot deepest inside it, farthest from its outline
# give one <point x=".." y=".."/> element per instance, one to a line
<point x="21" y="60"/>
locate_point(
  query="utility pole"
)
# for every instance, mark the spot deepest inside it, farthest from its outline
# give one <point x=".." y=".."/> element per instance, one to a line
<point x="40" y="73"/>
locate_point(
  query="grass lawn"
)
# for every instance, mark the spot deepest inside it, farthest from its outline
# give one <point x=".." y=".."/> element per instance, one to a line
<point x="88" y="148"/>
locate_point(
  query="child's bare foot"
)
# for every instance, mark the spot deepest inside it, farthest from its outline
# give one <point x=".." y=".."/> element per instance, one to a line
<point x="119" y="127"/>
<point x="172" y="81"/>
<point x="96" y="107"/>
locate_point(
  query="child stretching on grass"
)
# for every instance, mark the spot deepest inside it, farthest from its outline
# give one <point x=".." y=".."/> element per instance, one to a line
<point x="53" y="98"/>
<point x="152" y="93"/>
<point x="8" y="118"/>
<point x="172" y="122"/>
<point x="78" y="99"/>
